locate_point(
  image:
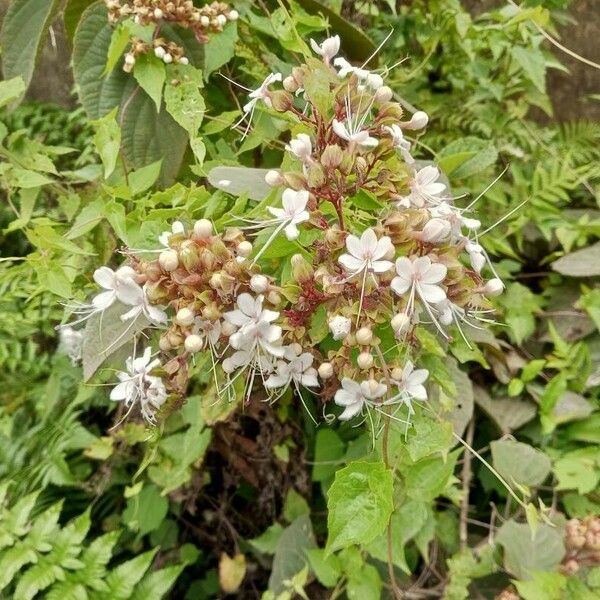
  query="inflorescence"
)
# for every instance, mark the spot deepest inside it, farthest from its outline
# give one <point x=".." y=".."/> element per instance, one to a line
<point x="392" y="253"/>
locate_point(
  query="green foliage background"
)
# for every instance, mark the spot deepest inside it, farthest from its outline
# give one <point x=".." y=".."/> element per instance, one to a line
<point x="90" y="512"/>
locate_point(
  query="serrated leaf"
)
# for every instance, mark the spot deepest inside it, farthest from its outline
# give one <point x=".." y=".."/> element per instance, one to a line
<point x="24" y="28"/>
<point x="359" y="504"/>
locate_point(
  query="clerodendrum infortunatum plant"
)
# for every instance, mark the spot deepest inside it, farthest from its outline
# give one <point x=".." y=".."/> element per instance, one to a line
<point x="382" y="253"/>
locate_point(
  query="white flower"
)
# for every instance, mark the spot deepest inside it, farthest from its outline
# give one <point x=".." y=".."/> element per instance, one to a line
<point x="365" y="254"/>
<point x="255" y="330"/>
<point x="399" y="142"/>
<point x="176" y="229"/>
<point x="339" y="327"/>
<point x="454" y="216"/>
<point x="298" y="370"/>
<point x="424" y="188"/>
<point x="354" y="134"/>
<point x="327" y="49"/>
<point x="412" y="381"/>
<point x="141" y="306"/>
<point x="355" y="396"/>
<point x="300" y="147"/>
<point x="261" y="93"/>
<point x="372" y="80"/>
<point x="293" y="212"/>
<point x="71" y="343"/>
<point x="119" y="285"/>
<point x="137" y="385"/>
<point x="420" y="276"/>
<point x="417" y="121"/>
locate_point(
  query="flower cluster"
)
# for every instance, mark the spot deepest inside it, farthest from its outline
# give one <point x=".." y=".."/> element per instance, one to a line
<point x="386" y="251"/>
<point x="201" y="21"/>
<point x="582" y="543"/>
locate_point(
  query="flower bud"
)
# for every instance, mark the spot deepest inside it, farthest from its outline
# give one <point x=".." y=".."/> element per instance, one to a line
<point x="294" y="180"/>
<point x="477" y="261"/>
<point x="332" y="156"/>
<point x="281" y="100"/>
<point x="259" y="284"/>
<point x="175" y="339"/>
<point x="204" y="21"/>
<point x="189" y="255"/>
<point x="158" y="13"/>
<point x="339" y="327"/>
<point x="159" y="52"/>
<point x="325" y="370"/>
<point x="290" y="84"/>
<point x="221" y="20"/>
<point x="417" y="121"/>
<point x="203" y="229"/>
<point x="400" y="323"/>
<point x="396" y="374"/>
<point x="168" y="260"/>
<point x="446" y="316"/>
<point x="184" y="317"/>
<point x="494" y="287"/>
<point x="228" y="365"/>
<point x="184" y="60"/>
<point x="315" y="175"/>
<point x="193" y="343"/>
<point x="302" y="270"/>
<point x="273" y="297"/>
<point x="435" y="231"/>
<point x="364" y="360"/>
<point x="233" y="15"/>
<point x="164" y="344"/>
<point x="364" y="336"/>
<point x="335" y="237"/>
<point x="274" y="178"/>
<point x="244" y="248"/>
<point x="129" y="59"/>
<point x="167" y="59"/>
<point x="383" y="94"/>
<point x="211" y="312"/>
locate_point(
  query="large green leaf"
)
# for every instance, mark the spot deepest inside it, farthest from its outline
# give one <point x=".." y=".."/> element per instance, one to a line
<point x="520" y="462"/>
<point x="23" y="30"/>
<point x="359" y="503"/>
<point x="146" y="136"/>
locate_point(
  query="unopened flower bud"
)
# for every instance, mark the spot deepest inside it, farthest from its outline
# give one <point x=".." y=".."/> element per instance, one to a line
<point x="334" y="237"/>
<point x="244" y="248"/>
<point x="273" y="297"/>
<point x="221" y="20"/>
<point x="400" y="323"/>
<point x="274" y="178"/>
<point x="167" y="59"/>
<point x="332" y="156"/>
<point x="203" y="229"/>
<point x="159" y="52"/>
<point x="364" y="360"/>
<point x="193" y="343"/>
<point x="281" y="100"/>
<point x="175" y="339"/>
<point x="211" y="312"/>
<point x="364" y="336"/>
<point x="301" y="269"/>
<point x="233" y="15"/>
<point x="129" y="59"/>
<point x="294" y="180"/>
<point x="259" y="284"/>
<point x="494" y="287"/>
<point x="396" y="374"/>
<point x="204" y="21"/>
<point x="184" y="317"/>
<point x="383" y="94"/>
<point x="164" y="343"/>
<point x="189" y="254"/>
<point x="216" y="281"/>
<point x="325" y="370"/>
<point x="477" y="261"/>
<point x="168" y="260"/>
<point x="339" y="327"/>
<point x="418" y="120"/>
<point x="228" y="365"/>
<point x="184" y="60"/>
<point x="315" y="175"/>
<point x="435" y="231"/>
<point x="158" y="13"/>
<point x="290" y="84"/>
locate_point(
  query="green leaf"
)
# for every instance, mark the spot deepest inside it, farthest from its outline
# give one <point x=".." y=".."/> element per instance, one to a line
<point x="533" y="63"/>
<point x="145" y="511"/>
<point x="107" y="140"/>
<point x="11" y="90"/>
<point x="145" y="135"/>
<point x="525" y="552"/>
<point x="118" y="42"/>
<point x="327" y="569"/>
<point x="220" y="49"/>
<point x="144" y="178"/>
<point x="290" y="555"/>
<point x="360" y="503"/>
<point x="24" y="28"/>
<point x="581" y="263"/>
<point x="149" y="71"/>
<point x="542" y="586"/>
<point x="122" y="580"/>
<point x="429" y="437"/>
<point x="467" y="156"/>
<point x="508" y="413"/>
<point x="295" y="506"/>
<point x="329" y="450"/>
<point x="520" y="462"/>
<point x="157" y="584"/>
<point x="185" y="104"/>
<point x="266" y="542"/>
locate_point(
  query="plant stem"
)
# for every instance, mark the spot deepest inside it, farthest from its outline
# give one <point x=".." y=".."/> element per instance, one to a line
<point x="466" y="482"/>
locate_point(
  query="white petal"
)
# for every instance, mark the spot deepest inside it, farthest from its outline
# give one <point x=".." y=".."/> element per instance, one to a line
<point x="436" y="273"/>
<point x="351" y="264"/>
<point x="400" y="285"/>
<point x="381" y="266"/>
<point x="105" y="278"/>
<point x="431" y="294"/>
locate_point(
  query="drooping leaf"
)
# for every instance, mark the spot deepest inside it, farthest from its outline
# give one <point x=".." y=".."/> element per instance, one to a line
<point x="520" y="462"/>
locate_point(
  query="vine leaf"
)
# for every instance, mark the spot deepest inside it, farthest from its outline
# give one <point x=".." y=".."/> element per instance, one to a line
<point x="23" y="30"/>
